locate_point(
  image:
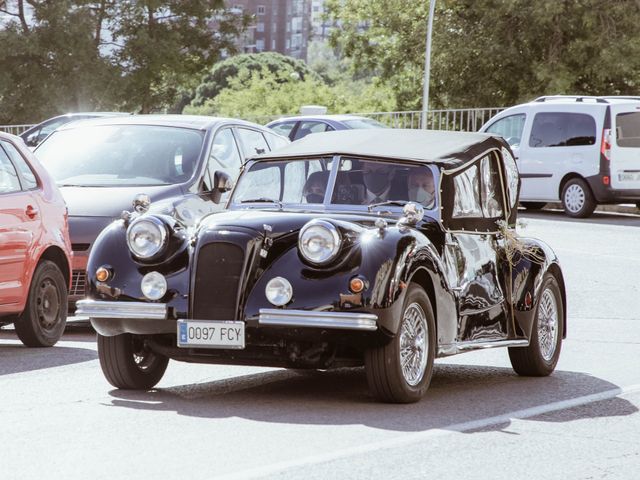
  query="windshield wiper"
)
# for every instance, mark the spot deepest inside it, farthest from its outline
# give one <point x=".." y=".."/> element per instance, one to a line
<point x="400" y="203"/>
<point x="262" y="200"/>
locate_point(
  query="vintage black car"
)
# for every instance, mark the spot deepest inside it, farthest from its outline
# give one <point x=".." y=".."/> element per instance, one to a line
<point x="387" y="248"/>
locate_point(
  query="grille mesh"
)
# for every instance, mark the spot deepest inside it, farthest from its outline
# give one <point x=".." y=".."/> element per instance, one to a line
<point x="218" y="272"/>
<point x="78" y="281"/>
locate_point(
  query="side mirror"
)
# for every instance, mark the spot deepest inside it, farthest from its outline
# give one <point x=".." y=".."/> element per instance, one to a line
<point x="222" y="183"/>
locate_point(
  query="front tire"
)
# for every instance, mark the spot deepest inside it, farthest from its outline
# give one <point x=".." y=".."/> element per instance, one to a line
<point x="401" y="370"/>
<point x="577" y="199"/>
<point x="128" y="363"/>
<point x="539" y="359"/>
<point x="45" y="315"/>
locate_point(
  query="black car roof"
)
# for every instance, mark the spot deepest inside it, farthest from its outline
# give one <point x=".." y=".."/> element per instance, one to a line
<point x="198" y="122"/>
<point x="449" y="149"/>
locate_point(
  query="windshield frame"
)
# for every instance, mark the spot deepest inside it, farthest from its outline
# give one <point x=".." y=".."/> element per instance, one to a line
<point x="327" y="205"/>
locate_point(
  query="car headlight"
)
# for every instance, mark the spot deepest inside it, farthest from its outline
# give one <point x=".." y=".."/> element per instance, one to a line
<point x="153" y="286"/>
<point x="279" y="291"/>
<point x="147" y="236"/>
<point x="319" y="241"/>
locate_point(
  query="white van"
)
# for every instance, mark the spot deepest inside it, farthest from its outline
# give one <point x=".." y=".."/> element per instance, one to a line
<point x="582" y="151"/>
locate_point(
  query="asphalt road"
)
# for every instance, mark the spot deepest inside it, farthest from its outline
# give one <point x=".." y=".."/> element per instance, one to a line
<point x="59" y="418"/>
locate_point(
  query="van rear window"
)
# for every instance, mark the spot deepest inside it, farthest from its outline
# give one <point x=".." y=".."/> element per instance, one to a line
<point x="628" y="129"/>
<point x="560" y="129"/>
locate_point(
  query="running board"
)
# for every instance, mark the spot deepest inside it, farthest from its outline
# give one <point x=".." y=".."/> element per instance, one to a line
<point x="452" y="349"/>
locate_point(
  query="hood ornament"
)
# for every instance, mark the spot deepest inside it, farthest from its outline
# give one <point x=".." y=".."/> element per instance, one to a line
<point x="141" y="202"/>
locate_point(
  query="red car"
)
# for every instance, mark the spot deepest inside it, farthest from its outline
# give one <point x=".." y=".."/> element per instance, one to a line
<point x="35" y="250"/>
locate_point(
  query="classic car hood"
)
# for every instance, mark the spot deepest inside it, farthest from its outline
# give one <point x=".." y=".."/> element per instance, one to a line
<point x="280" y="222"/>
<point x="110" y="201"/>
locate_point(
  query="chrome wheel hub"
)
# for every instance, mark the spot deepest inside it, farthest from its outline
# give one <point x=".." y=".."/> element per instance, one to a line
<point x="547" y="324"/>
<point x="413" y="344"/>
<point x="574" y="198"/>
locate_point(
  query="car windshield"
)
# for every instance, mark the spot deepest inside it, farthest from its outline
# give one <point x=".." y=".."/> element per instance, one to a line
<point x="121" y="155"/>
<point x="357" y="182"/>
<point x="363" y="123"/>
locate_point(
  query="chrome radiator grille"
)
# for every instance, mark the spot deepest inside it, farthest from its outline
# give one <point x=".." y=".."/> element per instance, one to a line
<point x="78" y="281"/>
<point x="218" y="272"/>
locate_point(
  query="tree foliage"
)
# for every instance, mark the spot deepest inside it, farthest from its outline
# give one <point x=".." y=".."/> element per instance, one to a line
<point x="261" y="95"/>
<point x="278" y="66"/>
<point x="491" y="53"/>
<point x="71" y="55"/>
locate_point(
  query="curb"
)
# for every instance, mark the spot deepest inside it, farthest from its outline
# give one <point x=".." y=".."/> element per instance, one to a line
<point x="626" y="208"/>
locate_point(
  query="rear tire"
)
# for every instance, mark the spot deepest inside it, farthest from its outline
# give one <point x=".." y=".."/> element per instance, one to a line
<point x="577" y="199"/>
<point x="539" y="359"/>
<point x="401" y="370"/>
<point x="45" y="314"/>
<point x="127" y="363"/>
<point x="533" y="205"/>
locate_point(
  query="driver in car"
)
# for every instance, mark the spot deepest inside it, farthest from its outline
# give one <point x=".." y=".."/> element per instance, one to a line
<point x="377" y="181"/>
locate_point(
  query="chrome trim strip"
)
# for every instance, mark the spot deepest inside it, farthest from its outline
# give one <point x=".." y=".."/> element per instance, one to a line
<point x="127" y="310"/>
<point x="455" y="348"/>
<point x="311" y="318"/>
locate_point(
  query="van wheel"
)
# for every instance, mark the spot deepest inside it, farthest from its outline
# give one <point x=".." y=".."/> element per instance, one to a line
<point x="533" y="205"/>
<point x="45" y="315"/>
<point x="577" y="199"/>
<point x="400" y="371"/>
<point x="128" y="363"/>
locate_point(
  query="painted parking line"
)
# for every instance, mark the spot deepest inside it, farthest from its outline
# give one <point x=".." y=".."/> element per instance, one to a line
<point x="408" y="439"/>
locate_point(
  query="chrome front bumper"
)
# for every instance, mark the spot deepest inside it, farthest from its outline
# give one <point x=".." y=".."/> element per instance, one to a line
<point x="310" y="318"/>
<point x="124" y="310"/>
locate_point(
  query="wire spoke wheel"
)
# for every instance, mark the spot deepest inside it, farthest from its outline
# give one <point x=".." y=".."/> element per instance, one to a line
<point x="413" y="344"/>
<point x="547" y="325"/>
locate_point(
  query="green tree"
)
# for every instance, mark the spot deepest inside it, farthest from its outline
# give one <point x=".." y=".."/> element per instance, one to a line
<point x="50" y="60"/>
<point x="491" y="53"/>
<point x="219" y="76"/>
<point x="263" y="95"/>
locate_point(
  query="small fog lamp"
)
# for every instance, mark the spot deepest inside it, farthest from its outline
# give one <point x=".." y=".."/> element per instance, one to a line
<point x="153" y="285"/>
<point x="103" y="273"/>
<point x="356" y="285"/>
<point x="278" y="291"/>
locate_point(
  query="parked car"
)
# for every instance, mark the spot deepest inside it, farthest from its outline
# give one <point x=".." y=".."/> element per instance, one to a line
<point x="304" y="271"/>
<point x="101" y="165"/>
<point x="35" y="250"/>
<point x="298" y="127"/>
<point x="582" y="151"/>
<point x="36" y="134"/>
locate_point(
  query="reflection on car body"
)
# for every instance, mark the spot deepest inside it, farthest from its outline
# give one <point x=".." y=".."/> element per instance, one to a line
<point x="298" y="277"/>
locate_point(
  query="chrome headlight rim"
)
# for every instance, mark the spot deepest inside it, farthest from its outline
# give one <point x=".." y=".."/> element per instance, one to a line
<point x="162" y="229"/>
<point x="334" y="233"/>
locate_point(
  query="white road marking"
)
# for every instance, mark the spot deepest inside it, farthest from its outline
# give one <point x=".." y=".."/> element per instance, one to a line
<point x="403" y="440"/>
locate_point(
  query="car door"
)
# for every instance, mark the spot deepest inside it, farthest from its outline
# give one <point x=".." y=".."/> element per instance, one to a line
<point x="471" y="253"/>
<point x="19" y="226"/>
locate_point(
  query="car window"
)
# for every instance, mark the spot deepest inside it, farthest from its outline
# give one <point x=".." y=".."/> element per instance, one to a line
<point x="510" y="128"/>
<point x="467" y="194"/>
<point x="252" y="142"/>
<point x="561" y="129"/>
<point x="28" y="178"/>
<point x="299" y="181"/>
<point x="363" y="123"/>
<point x="8" y="176"/>
<point x="224" y="151"/>
<point x="512" y="176"/>
<point x="491" y="188"/>
<point x="306" y="128"/>
<point x="276" y="141"/>
<point x="628" y="129"/>
<point x="283" y="128"/>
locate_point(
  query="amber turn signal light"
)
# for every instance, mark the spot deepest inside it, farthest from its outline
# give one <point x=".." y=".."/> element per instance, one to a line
<point x="103" y="274"/>
<point x="356" y="285"/>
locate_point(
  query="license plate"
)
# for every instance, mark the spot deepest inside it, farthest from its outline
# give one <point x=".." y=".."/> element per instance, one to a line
<point x="629" y="176"/>
<point x="210" y="334"/>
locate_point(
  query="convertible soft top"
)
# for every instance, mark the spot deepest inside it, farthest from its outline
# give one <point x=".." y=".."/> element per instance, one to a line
<point x="449" y="149"/>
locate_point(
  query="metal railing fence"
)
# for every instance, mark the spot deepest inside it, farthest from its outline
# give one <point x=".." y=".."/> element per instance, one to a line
<point x="15" y="129"/>
<point x="461" y="119"/>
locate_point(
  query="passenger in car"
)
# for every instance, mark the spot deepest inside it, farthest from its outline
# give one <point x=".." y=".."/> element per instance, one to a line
<point x="421" y="187"/>
<point x="315" y="187"/>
